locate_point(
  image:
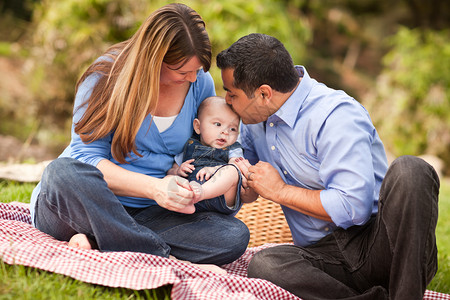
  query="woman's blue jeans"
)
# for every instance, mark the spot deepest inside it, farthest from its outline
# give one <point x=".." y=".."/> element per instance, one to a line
<point x="75" y="198"/>
<point x="393" y="256"/>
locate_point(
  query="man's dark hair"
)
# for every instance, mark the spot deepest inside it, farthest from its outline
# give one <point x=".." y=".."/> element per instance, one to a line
<point x="259" y="59"/>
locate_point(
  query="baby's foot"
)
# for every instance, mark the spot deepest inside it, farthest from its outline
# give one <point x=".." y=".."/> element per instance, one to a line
<point x="206" y="267"/>
<point x="80" y="241"/>
<point x="211" y="268"/>
<point x="198" y="191"/>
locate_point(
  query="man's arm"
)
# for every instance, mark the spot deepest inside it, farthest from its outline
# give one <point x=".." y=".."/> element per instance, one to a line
<point x="297" y="198"/>
<point x="302" y="200"/>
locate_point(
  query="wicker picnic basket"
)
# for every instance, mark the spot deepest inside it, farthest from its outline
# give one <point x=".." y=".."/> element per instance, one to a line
<point x="266" y="222"/>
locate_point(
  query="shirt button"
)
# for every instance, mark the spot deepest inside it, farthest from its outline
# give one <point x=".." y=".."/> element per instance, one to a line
<point x="273" y="147"/>
<point x="271" y="124"/>
<point x="285" y="172"/>
<point x="327" y="229"/>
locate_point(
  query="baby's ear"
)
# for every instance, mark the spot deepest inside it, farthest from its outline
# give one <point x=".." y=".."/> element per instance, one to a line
<point x="197" y="126"/>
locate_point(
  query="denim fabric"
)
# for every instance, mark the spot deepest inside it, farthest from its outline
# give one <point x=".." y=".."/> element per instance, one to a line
<point x="75" y="198"/>
<point x="393" y="256"/>
<point x="206" y="156"/>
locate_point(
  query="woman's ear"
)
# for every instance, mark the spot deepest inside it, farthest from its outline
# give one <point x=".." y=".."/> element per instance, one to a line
<point x="197" y="126"/>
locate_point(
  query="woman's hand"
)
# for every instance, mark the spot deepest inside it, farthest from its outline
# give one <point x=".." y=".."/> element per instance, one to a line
<point x="243" y="165"/>
<point x="171" y="192"/>
<point x="248" y="194"/>
<point x="174" y="193"/>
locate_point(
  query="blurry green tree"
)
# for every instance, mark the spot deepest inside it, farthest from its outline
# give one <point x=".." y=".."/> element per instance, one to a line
<point x="411" y="101"/>
<point x="229" y="20"/>
<point x="68" y="35"/>
<point x="340" y="41"/>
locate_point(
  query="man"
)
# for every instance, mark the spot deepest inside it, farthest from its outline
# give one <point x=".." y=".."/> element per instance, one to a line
<point x="360" y="230"/>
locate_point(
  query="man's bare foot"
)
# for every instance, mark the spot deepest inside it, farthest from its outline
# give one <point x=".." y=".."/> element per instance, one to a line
<point x="206" y="267"/>
<point x="198" y="191"/>
<point x="80" y="241"/>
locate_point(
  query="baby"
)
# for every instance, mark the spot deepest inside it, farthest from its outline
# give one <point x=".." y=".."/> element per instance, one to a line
<point x="208" y="158"/>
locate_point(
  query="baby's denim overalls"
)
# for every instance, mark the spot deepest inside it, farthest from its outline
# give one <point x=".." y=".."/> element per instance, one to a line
<point x="206" y="156"/>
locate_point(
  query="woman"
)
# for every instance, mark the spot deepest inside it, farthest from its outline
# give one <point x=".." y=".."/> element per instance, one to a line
<point x="134" y="109"/>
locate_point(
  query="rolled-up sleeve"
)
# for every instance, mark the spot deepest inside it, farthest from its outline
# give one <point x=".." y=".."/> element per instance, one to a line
<point x="346" y="168"/>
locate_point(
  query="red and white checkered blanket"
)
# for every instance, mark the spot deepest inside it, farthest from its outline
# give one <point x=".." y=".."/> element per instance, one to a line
<point x="22" y="244"/>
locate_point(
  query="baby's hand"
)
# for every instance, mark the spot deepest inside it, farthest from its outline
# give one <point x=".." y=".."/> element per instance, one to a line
<point x="206" y="173"/>
<point x="186" y="168"/>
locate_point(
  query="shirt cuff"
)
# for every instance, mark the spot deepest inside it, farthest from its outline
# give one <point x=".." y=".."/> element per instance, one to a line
<point x="333" y="204"/>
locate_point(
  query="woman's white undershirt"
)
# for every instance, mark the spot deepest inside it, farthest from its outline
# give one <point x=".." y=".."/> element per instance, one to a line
<point x="163" y="122"/>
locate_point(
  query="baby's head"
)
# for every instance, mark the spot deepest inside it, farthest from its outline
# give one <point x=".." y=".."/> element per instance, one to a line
<point x="216" y="123"/>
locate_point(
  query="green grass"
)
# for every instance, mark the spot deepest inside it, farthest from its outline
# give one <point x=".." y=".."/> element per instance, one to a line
<point x="28" y="283"/>
<point x="13" y="191"/>
<point x="19" y="282"/>
<point x="441" y="282"/>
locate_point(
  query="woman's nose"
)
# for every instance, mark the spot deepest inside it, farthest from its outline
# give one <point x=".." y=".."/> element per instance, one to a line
<point x="191" y="76"/>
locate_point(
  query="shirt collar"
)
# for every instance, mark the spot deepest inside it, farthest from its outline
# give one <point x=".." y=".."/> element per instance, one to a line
<point x="288" y="112"/>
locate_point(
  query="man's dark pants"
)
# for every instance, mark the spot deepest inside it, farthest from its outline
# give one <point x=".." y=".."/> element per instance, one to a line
<point x="393" y="256"/>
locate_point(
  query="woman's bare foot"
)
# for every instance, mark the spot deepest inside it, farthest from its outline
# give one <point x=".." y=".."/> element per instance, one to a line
<point x="80" y="241"/>
<point x="206" y="267"/>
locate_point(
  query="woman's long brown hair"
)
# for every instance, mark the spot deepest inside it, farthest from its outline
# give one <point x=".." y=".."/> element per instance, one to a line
<point x="128" y="88"/>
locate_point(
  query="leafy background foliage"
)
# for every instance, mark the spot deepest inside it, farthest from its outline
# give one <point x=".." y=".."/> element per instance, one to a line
<point x="393" y="57"/>
<point x="414" y="88"/>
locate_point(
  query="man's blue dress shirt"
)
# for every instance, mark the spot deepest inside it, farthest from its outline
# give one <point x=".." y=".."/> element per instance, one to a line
<point x="322" y="139"/>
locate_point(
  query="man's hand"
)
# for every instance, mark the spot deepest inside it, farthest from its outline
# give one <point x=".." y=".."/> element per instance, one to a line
<point x="265" y="180"/>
